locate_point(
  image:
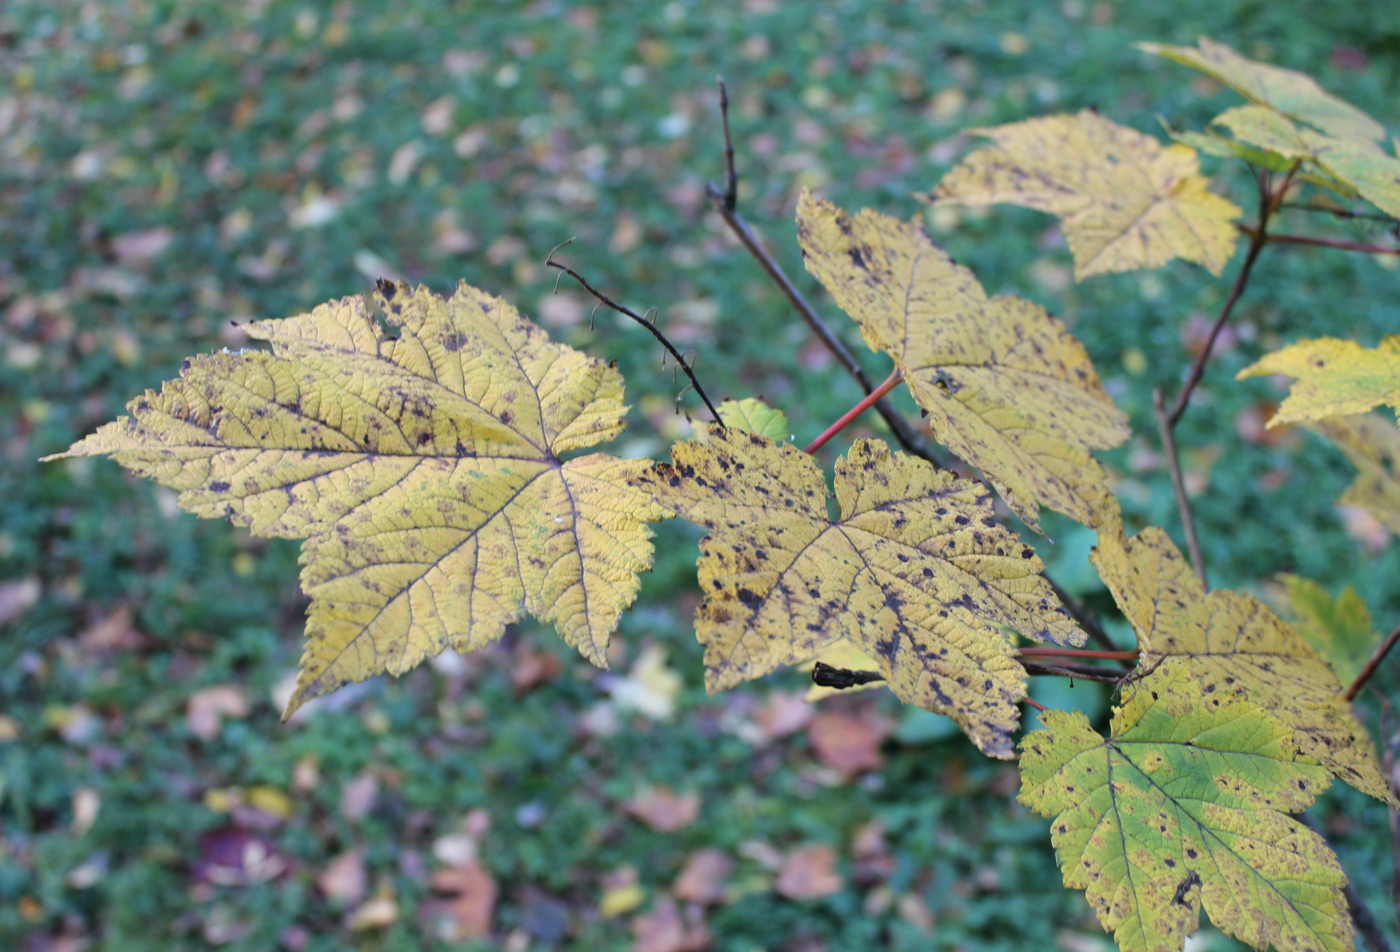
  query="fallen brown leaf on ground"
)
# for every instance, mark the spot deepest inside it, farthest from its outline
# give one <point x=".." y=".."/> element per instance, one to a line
<point x="209" y="706"/>
<point x="847" y="742"/>
<point x="664" y="930"/>
<point x="358" y="796"/>
<point x="809" y="872"/>
<point x="662" y="809"/>
<point x="703" y="876"/>
<point x="783" y="713"/>
<point x="473" y="900"/>
<point x="343" y="879"/>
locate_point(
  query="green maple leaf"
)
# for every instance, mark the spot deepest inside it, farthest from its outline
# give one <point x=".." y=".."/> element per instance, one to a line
<point x="1232" y="642"/>
<point x="1348" y="166"/>
<point x="1343" y="144"/>
<point x="1185" y="806"/>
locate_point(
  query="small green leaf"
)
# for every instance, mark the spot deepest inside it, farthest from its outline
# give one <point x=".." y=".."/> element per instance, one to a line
<point x="752" y="415"/>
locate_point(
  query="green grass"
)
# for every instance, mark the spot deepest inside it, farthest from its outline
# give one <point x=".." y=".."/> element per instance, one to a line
<point x="231" y="124"/>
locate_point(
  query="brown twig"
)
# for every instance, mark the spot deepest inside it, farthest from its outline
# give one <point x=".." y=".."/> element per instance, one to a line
<point x="1323" y="242"/>
<point x="1043" y="651"/>
<point x="1258" y="239"/>
<point x="1372" y="664"/>
<point x="1032" y="702"/>
<point x="1076" y="671"/>
<point x="874" y="396"/>
<point x="1365" y="920"/>
<point x="904" y="433"/>
<point x="1361" y="916"/>
<point x="606" y="301"/>
<point x="1188" y="522"/>
<point x="1340" y="212"/>
<point x="731" y="178"/>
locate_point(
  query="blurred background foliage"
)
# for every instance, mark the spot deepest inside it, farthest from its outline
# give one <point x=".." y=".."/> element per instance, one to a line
<point x="168" y="168"/>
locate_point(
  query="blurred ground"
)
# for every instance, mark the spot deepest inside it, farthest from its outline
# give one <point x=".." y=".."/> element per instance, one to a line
<point x="167" y="167"/>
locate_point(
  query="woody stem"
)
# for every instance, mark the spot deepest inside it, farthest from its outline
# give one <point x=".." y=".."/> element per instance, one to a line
<point x="1056" y="652"/>
<point x="871" y="399"/>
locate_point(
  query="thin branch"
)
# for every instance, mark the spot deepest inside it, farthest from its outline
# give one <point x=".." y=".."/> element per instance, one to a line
<point x="1042" y="651"/>
<point x="1339" y="212"/>
<point x="1258" y="238"/>
<point x="873" y="397"/>
<point x="1275" y="199"/>
<point x="731" y="178"/>
<point x="1361" y="915"/>
<point x="1078" y="672"/>
<point x="1032" y="702"/>
<point x="603" y="299"/>
<point x="1188" y="522"/>
<point x="1371" y="665"/>
<point x="904" y="433"/>
<point x="1365" y="920"/>
<point x="1080" y="613"/>
<point x="1324" y="242"/>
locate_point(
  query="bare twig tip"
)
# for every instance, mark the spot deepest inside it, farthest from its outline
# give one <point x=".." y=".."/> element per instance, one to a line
<point x="549" y="259"/>
<point x="731" y="178"/>
<point x="650" y="325"/>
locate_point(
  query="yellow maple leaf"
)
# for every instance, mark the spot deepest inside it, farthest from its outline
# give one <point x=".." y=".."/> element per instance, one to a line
<point x="1005" y="385"/>
<point x="1296" y="95"/>
<point x="1372" y="444"/>
<point x="916" y="573"/>
<point x="1335" y="377"/>
<point x="1185" y="806"/>
<point x="1233" y="642"/>
<point x="1260" y="140"/>
<point x="1126" y="201"/>
<point x="422" y="469"/>
<point x="1340" y="629"/>
<point x="1358" y="166"/>
<point x="1263" y="127"/>
<point x="1363" y="165"/>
